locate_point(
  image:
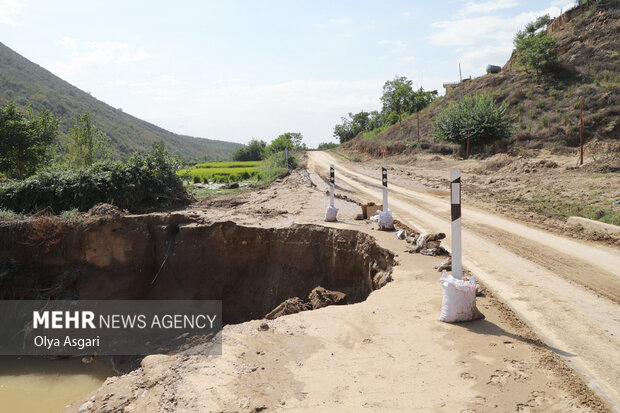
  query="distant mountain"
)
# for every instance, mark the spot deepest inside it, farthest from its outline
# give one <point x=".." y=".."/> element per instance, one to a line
<point x="25" y="82"/>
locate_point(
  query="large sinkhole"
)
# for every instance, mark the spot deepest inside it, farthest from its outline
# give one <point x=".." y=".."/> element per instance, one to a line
<point x="252" y="270"/>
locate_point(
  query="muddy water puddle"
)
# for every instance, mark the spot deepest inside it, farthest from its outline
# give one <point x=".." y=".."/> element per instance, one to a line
<point x="45" y="386"/>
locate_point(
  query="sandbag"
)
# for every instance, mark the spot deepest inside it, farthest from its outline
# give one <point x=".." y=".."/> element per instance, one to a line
<point x="459" y="299"/>
<point x="330" y="214"/>
<point x="386" y="222"/>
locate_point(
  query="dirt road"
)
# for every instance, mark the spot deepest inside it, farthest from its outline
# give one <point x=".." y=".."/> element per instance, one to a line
<point x="542" y="276"/>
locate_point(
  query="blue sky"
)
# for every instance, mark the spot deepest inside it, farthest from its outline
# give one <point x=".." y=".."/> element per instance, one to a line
<point x="236" y="70"/>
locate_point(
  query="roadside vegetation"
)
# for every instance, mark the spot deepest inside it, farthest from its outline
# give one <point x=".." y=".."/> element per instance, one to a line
<point x="475" y="117"/>
<point x="39" y="174"/>
<point x="553" y="73"/>
<point x="255" y="163"/>
<point x="399" y="101"/>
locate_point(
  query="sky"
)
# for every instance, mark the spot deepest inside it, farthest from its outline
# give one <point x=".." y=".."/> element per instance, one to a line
<point x="238" y="70"/>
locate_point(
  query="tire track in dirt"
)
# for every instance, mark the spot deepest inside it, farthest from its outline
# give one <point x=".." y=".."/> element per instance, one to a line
<point x="579" y="325"/>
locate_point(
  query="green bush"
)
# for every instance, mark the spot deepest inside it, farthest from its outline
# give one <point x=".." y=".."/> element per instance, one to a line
<point x="141" y="182"/>
<point x="535" y="48"/>
<point x="487" y="121"/>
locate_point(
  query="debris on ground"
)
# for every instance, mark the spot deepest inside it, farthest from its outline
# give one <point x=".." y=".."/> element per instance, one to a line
<point x="290" y="306"/>
<point x="401" y="234"/>
<point x="445" y="265"/>
<point x="319" y="298"/>
<point x="429" y="244"/>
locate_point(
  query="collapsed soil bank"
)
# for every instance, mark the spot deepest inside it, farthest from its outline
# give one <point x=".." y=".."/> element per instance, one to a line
<point x="252" y="270"/>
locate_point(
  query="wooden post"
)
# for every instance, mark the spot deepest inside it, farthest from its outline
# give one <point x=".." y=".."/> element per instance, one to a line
<point x="581" y="133"/>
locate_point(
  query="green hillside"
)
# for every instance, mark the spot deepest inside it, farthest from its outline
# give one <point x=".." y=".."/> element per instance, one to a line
<point x="25" y="82"/>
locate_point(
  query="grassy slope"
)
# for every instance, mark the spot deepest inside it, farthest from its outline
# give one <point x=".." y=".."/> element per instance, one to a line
<point x="546" y="111"/>
<point x="25" y="82"/>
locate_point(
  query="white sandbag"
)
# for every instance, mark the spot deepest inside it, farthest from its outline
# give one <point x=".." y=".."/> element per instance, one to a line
<point x="374" y="218"/>
<point x="386" y="221"/>
<point x="330" y="214"/>
<point x="459" y="299"/>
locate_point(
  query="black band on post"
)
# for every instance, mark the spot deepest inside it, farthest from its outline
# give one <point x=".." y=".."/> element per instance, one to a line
<point x="455" y="196"/>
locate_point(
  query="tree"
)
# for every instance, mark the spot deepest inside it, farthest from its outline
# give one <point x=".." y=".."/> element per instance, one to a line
<point x="253" y="151"/>
<point x="486" y="121"/>
<point x="288" y="140"/>
<point x="421" y="99"/>
<point x="535" y="48"/>
<point x="396" y="96"/>
<point x="352" y="126"/>
<point x="26" y="142"/>
<point x="85" y="144"/>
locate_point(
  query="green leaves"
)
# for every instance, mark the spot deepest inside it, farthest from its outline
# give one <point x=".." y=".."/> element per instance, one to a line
<point x="142" y="181"/>
<point x="487" y="122"/>
<point x="535" y="48"/>
<point x="25" y="140"/>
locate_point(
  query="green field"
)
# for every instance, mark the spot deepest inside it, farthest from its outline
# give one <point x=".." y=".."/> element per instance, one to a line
<point x="221" y="172"/>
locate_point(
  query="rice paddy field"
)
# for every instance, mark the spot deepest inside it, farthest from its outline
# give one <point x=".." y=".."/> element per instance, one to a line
<point x="221" y="172"/>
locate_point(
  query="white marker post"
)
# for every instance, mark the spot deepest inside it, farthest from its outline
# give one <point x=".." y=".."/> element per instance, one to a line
<point x="384" y="180"/>
<point x="332" y="182"/>
<point x="455" y="201"/>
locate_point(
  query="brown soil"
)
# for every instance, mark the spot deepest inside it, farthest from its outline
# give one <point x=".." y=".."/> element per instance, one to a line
<point x="538" y="189"/>
<point x="252" y="269"/>
<point x="387" y="352"/>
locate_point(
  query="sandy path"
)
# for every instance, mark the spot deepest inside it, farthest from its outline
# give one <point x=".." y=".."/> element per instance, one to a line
<point x="529" y="268"/>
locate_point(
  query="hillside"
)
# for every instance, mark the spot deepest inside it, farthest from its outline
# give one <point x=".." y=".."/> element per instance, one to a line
<point x="546" y="110"/>
<point x="25" y="82"/>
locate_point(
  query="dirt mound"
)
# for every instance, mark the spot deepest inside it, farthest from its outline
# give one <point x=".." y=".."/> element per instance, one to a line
<point x="605" y="156"/>
<point x="522" y="165"/>
<point x="103" y="209"/>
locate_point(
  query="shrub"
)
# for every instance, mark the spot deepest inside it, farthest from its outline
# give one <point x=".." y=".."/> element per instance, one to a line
<point x="535" y="48"/>
<point x="487" y="121"/>
<point x="141" y="182"/>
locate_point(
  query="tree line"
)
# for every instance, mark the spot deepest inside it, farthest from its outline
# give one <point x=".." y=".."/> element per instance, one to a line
<point x="258" y="150"/>
<point x="399" y="99"/>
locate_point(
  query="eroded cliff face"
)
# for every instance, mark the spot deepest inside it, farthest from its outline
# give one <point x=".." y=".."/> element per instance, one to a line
<point x="252" y="270"/>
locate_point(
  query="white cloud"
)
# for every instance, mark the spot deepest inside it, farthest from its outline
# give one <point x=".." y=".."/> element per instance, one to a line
<point x="93" y="54"/>
<point x="341" y="21"/>
<point x="9" y="9"/>
<point x="483" y="40"/>
<point x="486" y="7"/>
